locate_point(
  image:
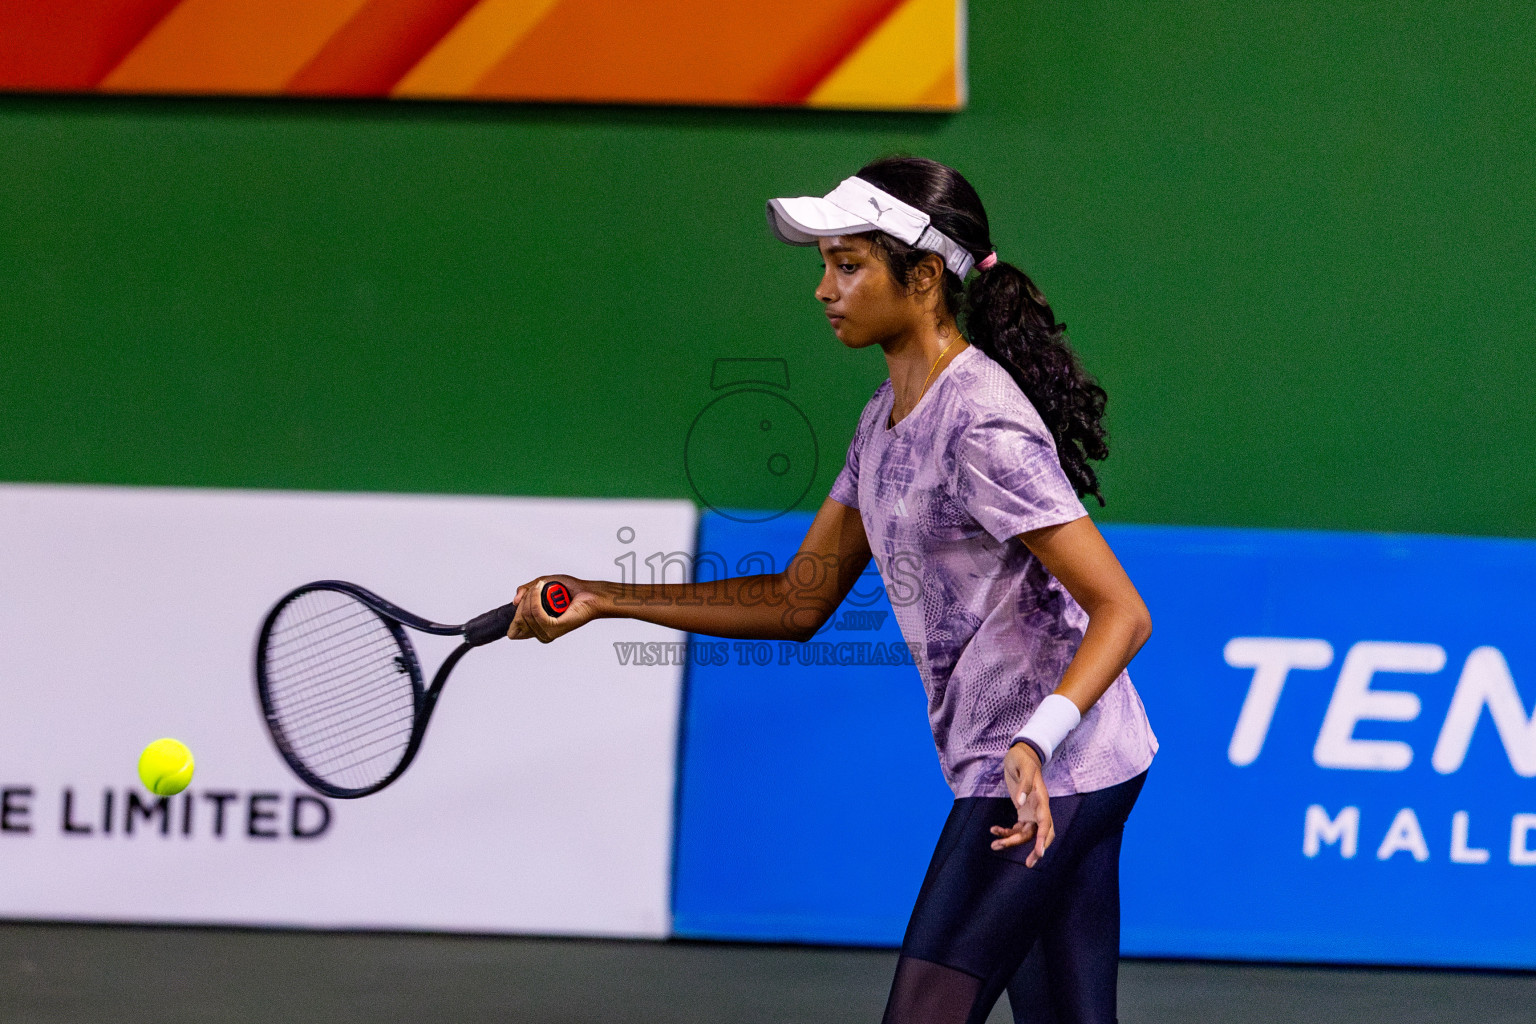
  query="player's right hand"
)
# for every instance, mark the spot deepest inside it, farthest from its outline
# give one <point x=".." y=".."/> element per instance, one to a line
<point x="532" y="620"/>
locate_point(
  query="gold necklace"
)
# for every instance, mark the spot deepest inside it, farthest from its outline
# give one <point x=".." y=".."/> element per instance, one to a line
<point x="935" y="366"/>
<point x="926" y="379"/>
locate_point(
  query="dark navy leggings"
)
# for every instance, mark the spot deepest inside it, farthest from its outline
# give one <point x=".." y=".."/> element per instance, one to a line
<point x="984" y="922"/>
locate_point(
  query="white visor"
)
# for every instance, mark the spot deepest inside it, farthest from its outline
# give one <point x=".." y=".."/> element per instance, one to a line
<point x="855" y="207"/>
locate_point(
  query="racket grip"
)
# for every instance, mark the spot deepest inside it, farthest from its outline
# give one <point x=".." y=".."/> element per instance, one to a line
<point x="493" y="625"/>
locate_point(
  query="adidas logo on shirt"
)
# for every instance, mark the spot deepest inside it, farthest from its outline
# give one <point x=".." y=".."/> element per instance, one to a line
<point x="901" y="507"/>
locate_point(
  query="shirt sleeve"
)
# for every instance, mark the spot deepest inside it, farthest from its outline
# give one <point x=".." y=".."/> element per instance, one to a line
<point x="845" y="489"/>
<point x="1009" y="477"/>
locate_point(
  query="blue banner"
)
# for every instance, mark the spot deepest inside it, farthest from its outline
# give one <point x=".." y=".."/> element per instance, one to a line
<point x="1347" y="755"/>
<point x="1344" y="774"/>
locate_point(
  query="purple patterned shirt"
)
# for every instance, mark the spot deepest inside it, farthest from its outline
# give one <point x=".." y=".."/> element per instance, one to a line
<point x="943" y="496"/>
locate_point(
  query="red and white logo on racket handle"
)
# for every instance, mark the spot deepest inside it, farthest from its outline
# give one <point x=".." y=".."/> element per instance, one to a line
<point x="493" y="625"/>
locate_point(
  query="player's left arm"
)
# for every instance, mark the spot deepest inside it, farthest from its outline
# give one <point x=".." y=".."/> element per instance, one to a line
<point x="1118" y="620"/>
<point x="1118" y="624"/>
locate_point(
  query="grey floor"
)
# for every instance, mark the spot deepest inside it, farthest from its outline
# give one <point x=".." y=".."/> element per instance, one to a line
<point x="76" y="973"/>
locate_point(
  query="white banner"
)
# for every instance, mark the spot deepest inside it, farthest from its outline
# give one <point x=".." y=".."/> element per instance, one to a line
<point x="541" y="800"/>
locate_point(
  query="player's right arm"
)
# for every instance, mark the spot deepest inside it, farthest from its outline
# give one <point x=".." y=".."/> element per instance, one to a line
<point x="788" y="605"/>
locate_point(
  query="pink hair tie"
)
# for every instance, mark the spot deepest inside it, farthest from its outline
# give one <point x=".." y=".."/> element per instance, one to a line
<point x="988" y="263"/>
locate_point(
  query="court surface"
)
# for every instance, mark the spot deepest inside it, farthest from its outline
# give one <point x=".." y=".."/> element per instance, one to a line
<point x="78" y="973"/>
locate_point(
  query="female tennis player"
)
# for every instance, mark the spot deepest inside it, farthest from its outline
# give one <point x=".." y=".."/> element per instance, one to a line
<point x="969" y="462"/>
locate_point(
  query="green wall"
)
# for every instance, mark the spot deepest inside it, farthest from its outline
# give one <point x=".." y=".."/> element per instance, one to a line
<point x="1295" y="240"/>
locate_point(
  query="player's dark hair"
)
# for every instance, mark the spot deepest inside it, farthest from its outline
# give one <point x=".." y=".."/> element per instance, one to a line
<point x="1001" y="312"/>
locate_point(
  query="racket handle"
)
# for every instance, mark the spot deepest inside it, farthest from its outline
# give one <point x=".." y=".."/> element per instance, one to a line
<point x="493" y="625"/>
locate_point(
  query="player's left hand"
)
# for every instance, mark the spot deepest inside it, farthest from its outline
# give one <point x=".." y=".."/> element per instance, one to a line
<point x="532" y="620"/>
<point x="1026" y="785"/>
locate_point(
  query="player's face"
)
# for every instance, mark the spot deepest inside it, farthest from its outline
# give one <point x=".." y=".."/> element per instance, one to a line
<point x="860" y="296"/>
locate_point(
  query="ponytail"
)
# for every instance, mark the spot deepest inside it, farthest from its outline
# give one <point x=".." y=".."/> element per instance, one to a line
<point x="1002" y="312"/>
<point x="1008" y="319"/>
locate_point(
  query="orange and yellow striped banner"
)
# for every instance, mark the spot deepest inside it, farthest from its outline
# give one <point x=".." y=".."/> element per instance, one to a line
<point x="854" y="54"/>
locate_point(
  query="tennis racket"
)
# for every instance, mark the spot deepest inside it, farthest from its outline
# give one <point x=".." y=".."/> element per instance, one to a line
<point x="341" y="686"/>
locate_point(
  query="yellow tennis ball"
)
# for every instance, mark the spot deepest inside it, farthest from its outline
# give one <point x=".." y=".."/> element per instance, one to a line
<point x="165" y="767"/>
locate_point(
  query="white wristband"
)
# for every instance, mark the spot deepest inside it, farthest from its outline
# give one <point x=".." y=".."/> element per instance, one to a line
<point x="1048" y="726"/>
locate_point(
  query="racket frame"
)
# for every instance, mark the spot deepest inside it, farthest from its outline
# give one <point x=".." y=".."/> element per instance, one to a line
<point x="424" y="697"/>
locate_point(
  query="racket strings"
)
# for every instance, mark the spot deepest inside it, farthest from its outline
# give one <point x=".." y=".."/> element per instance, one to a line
<point x="339" y="689"/>
<point x="334" y="689"/>
<point x="350" y="652"/>
<point x="348" y="690"/>
<point x="350" y="715"/>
